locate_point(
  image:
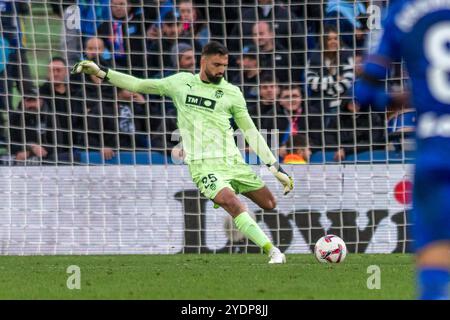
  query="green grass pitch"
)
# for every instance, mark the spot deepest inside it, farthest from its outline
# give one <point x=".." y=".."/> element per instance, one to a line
<point x="205" y="276"/>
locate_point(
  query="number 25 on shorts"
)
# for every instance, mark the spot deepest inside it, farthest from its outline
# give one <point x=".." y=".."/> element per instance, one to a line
<point x="209" y="180"/>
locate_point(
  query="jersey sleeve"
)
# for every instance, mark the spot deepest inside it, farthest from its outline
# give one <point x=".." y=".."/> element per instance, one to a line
<point x="239" y="105"/>
<point x="163" y="87"/>
<point x="251" y="133"/>
<point x="170" y="85"/>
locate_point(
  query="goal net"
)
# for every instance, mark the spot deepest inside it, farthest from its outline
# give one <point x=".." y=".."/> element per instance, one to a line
<point x="88" y="168"/>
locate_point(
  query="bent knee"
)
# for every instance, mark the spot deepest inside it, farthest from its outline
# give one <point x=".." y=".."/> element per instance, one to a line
<point x="270" y="204"/>
<point x="231" y="203"/>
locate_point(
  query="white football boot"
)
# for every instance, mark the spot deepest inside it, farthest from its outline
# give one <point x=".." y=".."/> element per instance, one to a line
<point x="276" y="256"/>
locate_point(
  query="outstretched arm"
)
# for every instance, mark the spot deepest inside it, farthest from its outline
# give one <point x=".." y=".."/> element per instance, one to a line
<point x="257" y="143"/>
<point x="128" y="82"/>
<point x="370" y="87"/>
<point x="121" y="80"/>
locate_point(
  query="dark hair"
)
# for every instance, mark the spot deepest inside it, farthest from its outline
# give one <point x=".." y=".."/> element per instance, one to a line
<point x="297" y="141"/>
<point x="329" y="28"/>
<point x="291" y="87"/>
<point x="268" y="77"/>
<point x="59" y="59"/>
<point x="170" y="18"/>
<point x="214" y="47"/>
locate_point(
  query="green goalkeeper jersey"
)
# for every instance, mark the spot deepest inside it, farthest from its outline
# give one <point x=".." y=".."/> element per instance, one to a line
<point x="204" y="111"/>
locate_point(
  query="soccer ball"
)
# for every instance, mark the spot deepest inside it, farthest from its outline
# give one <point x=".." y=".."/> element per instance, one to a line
<point x="330" y="249"/>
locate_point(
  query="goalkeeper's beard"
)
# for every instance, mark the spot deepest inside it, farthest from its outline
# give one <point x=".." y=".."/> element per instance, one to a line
<point x="213" y="79"/>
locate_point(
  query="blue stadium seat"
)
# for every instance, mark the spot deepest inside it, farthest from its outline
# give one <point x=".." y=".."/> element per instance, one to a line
<point x="322" y="157"/>
<point x="125" y="158"/>
<point x="378" y="156"/>
<point x="381" y="156"/>
<point x="402" y="156"/>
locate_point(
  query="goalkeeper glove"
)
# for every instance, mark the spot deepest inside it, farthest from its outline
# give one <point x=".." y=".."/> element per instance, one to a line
<point x="91" y="68"/>
<point x="282" y="176"/>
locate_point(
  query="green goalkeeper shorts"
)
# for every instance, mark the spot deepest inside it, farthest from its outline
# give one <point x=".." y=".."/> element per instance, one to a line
<point x="212" y="175"/>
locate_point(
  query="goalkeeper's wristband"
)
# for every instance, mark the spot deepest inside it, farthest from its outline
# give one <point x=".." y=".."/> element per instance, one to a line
<point x="277" y="166"/>
<point x="103" y="73"/>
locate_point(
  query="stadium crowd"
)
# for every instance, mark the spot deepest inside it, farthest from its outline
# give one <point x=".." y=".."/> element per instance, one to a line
<point x="295" y="62"/>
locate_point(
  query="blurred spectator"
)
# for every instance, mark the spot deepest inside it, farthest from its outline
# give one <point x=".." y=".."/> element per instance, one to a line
<point x="89" y="87"/>
<point x="124" y="37"/>
<point x="27" y="132"/>
<point x="287" y="27"/>
<point x="348" y="17"/>
<point x="192" y="22"/>
<point x="273" y="56"/>
<point x="298" y="150"/>
<point x="89" y="129"/>
<point x="81" y="22"/>
<point x="165" y="6"/>
<point x="291" y="99"/>
<point x="150" y="11"/>
<point x="95" y="51"/>
<point x="160" y="50"/>
<point x="248" y="77"/>
<point x="330" y="77"/>
<point x="359" y="131"/>
<point x="59" y="102"/>
<point x="161" y="138"/>
<point x="5" y="53"/>
<point x="222" y="18"/>
<point x="183" y="59"/>
<point x="312" y="12"/>
<point x="125" y="121"/>
<point x="155" y="12"/>
<point x="17" y="70"/>
<point x="93" y="96"/>
<point x="4" y="58"/>
<point x="268" y="116"/>
<point x="88" y="112"/>
<point x="331" y="70"/>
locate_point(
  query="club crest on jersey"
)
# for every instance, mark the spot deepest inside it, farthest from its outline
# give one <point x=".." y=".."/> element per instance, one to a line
<point x="200" y="102"/>
<point x="219" y="94"/>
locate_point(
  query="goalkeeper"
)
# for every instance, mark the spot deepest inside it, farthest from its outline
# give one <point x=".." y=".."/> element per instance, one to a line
<point x="205" y="103"/>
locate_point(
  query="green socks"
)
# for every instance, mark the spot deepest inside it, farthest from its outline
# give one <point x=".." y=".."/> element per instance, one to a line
<point x="251" y="230"/>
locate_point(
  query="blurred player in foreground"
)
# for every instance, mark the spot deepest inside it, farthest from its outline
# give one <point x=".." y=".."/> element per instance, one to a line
<point x="205" y="103"/>
<point x="419" y="32"/>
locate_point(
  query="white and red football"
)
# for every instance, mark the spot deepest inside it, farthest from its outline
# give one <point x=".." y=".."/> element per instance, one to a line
<point x="330" y="249"/>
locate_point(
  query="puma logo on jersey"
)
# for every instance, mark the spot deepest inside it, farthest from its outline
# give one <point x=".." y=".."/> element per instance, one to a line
<point x="190" y="87"/>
